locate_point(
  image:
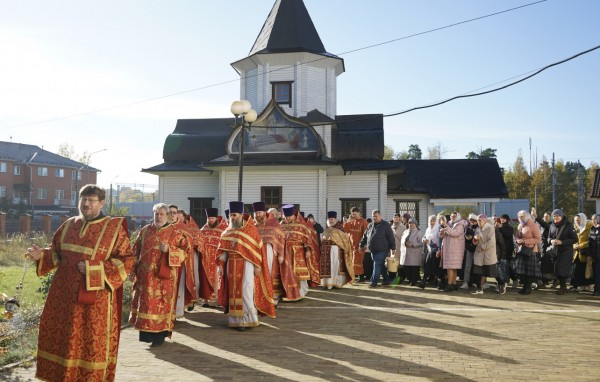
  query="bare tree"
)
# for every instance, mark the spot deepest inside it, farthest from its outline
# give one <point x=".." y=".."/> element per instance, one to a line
<point x="437" y="151"/>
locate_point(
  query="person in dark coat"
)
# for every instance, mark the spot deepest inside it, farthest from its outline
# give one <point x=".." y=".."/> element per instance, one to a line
<point x="562" y="236"/>
<point x="501" y="255"/>
<point x="508" y="233"/>
<point x="379" y="240"/>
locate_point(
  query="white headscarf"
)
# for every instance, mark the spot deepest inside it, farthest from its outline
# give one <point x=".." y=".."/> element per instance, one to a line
<point x="582" y="222"/>
<point x="433" y="233"/>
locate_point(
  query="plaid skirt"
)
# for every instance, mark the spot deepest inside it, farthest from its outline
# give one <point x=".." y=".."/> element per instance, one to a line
<point x="528" y="265"/>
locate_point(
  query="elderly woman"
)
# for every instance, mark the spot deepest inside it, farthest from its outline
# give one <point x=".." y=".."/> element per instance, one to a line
<point x="484" y="257"/>
<point x="594" y="250"/>
<point x="580" y="258"/>
<point x="527" y="265"/>
<point x="431" y="240"/>
<point x="453" y="247"/>
<point x="561" y="237"/>
<point x="398" y="228"/>
<point x="411" y="251"/>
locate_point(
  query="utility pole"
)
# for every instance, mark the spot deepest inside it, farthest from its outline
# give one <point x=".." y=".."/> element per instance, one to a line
<point x="530" y="166"/>
<point x="580" y="187"/>
<point x="553" y="184"/>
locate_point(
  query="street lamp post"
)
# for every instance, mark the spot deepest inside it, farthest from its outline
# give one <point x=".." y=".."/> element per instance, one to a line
<point x="31" y="182"/>
<point x="242" y="111"/>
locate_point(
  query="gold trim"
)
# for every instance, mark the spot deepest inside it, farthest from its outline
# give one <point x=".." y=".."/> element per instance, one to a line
<point x="88" y="273"/>
<point x="77" y="248"/>
<point x="100" y="237"/>
<point x="75" y="362"/>
<point x="121" y="267"/>
<point x="148" y="316"/>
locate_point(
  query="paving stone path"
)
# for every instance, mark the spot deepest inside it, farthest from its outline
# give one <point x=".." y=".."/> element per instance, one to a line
<point x="396" y="334"/>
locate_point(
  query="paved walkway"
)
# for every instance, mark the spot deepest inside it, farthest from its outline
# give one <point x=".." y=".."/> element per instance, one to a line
<point x="399" y="334"/>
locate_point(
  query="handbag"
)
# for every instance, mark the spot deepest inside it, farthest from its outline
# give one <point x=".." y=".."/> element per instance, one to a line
<point x="553" y="250"/>
<point x="502" y="267"/>
<point x="525" y="251"/>
<point x="392" y="264"/>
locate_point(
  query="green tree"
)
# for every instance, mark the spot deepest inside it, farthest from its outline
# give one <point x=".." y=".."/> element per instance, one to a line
<point x="517" y="180"/>
<point x="541" y="188"/>
<point x="414" y="152"/>
<point x="483" y="154"/>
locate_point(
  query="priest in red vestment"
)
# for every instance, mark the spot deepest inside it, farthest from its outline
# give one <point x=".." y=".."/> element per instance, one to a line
<point x="273" y="250"/>
<point x="80" y="325"/>
<point x="211" y="233"/>
<point x="336" y="266"/>
<point x="355" y="228"/>
<point x="246" y="290"/>
<point x="160" y="249"/>
<point x="186" y="286"/>
<point x="300" y="247"/>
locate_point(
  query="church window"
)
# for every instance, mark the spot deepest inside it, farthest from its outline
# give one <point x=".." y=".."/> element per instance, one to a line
<point x="282" y="92"/>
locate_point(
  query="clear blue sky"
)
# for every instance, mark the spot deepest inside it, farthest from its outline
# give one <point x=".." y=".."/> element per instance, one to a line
<point x="63" y="58"/>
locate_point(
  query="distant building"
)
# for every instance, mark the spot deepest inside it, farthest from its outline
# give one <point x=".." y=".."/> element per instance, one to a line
<point x="300" y="150"/>
<point x="45" y="182"/>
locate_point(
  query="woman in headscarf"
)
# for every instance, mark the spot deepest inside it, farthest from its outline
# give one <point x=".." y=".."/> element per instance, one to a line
<point x="579" y="281"/>
<point x="453" y="244"/>
<point x="398" y="228"/>
<point x="562" y="236"/>
<point x="527" y="266"/>
<point x="484" y="258"/>
<point x="411" y="250"/>
<point x="594" y="248"/>
<point x="431" y="239"/>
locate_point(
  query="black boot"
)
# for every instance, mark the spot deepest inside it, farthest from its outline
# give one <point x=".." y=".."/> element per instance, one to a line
<point x="563" y="287"/>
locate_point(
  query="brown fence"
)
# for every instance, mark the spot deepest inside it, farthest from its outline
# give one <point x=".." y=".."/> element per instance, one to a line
<point x="48" y="224"/>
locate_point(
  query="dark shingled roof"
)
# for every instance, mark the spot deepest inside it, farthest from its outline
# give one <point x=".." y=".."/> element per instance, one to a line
<point x="441" y="179"/>
<point x="357" y="137"/>
<point x="596" y="187"/>
<point x="198" y="140"/>
<point x="22" y="153"/>
<point x="288" y="28"/>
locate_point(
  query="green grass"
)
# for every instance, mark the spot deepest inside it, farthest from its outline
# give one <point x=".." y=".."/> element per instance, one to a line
<point x="10" y="277"/>
<point x="18" y="336"/>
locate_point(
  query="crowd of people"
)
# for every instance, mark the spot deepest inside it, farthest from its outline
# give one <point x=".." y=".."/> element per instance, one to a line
<point x="247" y="264"/>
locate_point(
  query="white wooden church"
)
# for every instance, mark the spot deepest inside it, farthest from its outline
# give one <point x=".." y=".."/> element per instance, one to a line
<point x="299" y="150"/>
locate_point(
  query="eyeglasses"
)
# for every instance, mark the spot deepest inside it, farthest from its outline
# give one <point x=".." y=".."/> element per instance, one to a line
<point x="173" y="212"/>
<point x="89" y="200"/>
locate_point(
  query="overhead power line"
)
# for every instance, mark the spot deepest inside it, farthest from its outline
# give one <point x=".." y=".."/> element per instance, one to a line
<point x="277" y="69"/>
<point x="496" y="89"/>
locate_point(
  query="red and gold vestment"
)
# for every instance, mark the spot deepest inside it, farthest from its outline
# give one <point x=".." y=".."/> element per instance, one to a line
<point x="156" y="275"/>
<point x="80" y="325"/>
<point x="355" y="228"/>
<point x="208" y="271"/>
<point x="244" y="244"/>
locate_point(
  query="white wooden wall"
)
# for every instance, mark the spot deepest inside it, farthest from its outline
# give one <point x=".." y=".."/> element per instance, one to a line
<point x="356" y="185"/>
<point x="177" y="187"/>
<point x="304" y="185"/>
<point x="313" y="88"/>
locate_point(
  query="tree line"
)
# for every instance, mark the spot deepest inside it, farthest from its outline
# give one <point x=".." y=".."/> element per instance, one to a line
<point x="567" y="183"/>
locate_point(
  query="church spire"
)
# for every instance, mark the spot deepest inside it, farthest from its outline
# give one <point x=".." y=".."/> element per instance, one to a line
<point x="288" y="28"/>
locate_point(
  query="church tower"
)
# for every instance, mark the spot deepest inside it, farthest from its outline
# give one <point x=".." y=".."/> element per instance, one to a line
<point x="288" y="63"/>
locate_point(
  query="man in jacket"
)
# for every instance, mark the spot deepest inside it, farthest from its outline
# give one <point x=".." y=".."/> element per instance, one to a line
<point x="379" y="240"/>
